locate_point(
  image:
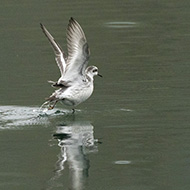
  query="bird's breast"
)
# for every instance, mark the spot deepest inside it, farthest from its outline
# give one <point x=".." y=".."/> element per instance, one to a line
<point x="78" y="95"/>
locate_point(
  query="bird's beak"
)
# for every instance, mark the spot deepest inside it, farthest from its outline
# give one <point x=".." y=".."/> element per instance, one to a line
<point x="100" y="75"/>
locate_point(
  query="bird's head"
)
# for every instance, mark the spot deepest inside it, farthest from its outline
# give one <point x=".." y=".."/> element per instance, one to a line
<point x="92" y="71"/>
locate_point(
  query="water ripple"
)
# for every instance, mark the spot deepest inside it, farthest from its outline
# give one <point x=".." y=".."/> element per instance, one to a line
<point x="122" y="162"/>
<point x="120" y="24"/>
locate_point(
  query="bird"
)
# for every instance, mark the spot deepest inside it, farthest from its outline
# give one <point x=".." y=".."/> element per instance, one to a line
<point x="76" y="83"/>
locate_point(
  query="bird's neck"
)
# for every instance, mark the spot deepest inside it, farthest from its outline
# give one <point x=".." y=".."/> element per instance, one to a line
<point x="88" y="78"/>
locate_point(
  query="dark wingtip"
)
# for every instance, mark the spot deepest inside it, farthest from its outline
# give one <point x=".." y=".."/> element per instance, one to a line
<point x="71" y="22"/>
<point x="42" y="26"/>
<point x="72" y="19"/>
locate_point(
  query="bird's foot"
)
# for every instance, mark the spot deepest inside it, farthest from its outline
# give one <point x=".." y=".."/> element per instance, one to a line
<point x="50" y="107"/>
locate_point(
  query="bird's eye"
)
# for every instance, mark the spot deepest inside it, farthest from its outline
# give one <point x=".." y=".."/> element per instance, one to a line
<point x="95" y="70"/>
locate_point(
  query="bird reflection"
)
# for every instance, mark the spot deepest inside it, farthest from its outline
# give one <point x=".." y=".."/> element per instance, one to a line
<point x="76" y="141"/>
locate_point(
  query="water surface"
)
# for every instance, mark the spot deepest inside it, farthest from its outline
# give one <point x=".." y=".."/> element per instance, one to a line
<point x="133" y="133"/>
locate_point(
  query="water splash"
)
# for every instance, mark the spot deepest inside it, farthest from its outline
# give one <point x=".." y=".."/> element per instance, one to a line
<point x="13" y="117"/>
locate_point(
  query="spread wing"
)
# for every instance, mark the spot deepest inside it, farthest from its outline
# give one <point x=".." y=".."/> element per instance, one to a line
<point x="78" y="51"/>
<point x="60" y="57"/>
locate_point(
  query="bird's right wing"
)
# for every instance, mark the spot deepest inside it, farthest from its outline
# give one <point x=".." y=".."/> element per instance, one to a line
<point x="60" y="57"/>
<point x="78" y="51"/>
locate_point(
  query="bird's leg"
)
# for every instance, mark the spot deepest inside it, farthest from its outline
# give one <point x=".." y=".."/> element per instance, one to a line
<point x="73" y="111"/>
<point x="45" y="103"/>
<point x="52" y="106"/>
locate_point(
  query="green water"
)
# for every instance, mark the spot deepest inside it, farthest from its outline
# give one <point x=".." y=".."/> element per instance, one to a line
<point x="133" y="133"/>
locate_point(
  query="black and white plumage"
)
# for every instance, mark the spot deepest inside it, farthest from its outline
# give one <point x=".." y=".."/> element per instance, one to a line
<point x="76" y="81"/>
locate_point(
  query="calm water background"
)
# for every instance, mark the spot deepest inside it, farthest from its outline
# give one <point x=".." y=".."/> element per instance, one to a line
<point x="133" y="133"/>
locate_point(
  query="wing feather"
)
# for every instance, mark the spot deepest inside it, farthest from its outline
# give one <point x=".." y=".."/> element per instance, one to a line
<point x="60" y="56"/>
<point x="78" y="51"/>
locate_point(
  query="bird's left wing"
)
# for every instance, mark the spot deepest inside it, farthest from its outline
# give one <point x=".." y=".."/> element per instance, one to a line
<point x="60" y="57"/>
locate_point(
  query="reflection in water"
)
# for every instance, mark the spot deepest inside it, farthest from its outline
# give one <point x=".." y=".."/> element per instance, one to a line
<point x="76" y="140"/>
